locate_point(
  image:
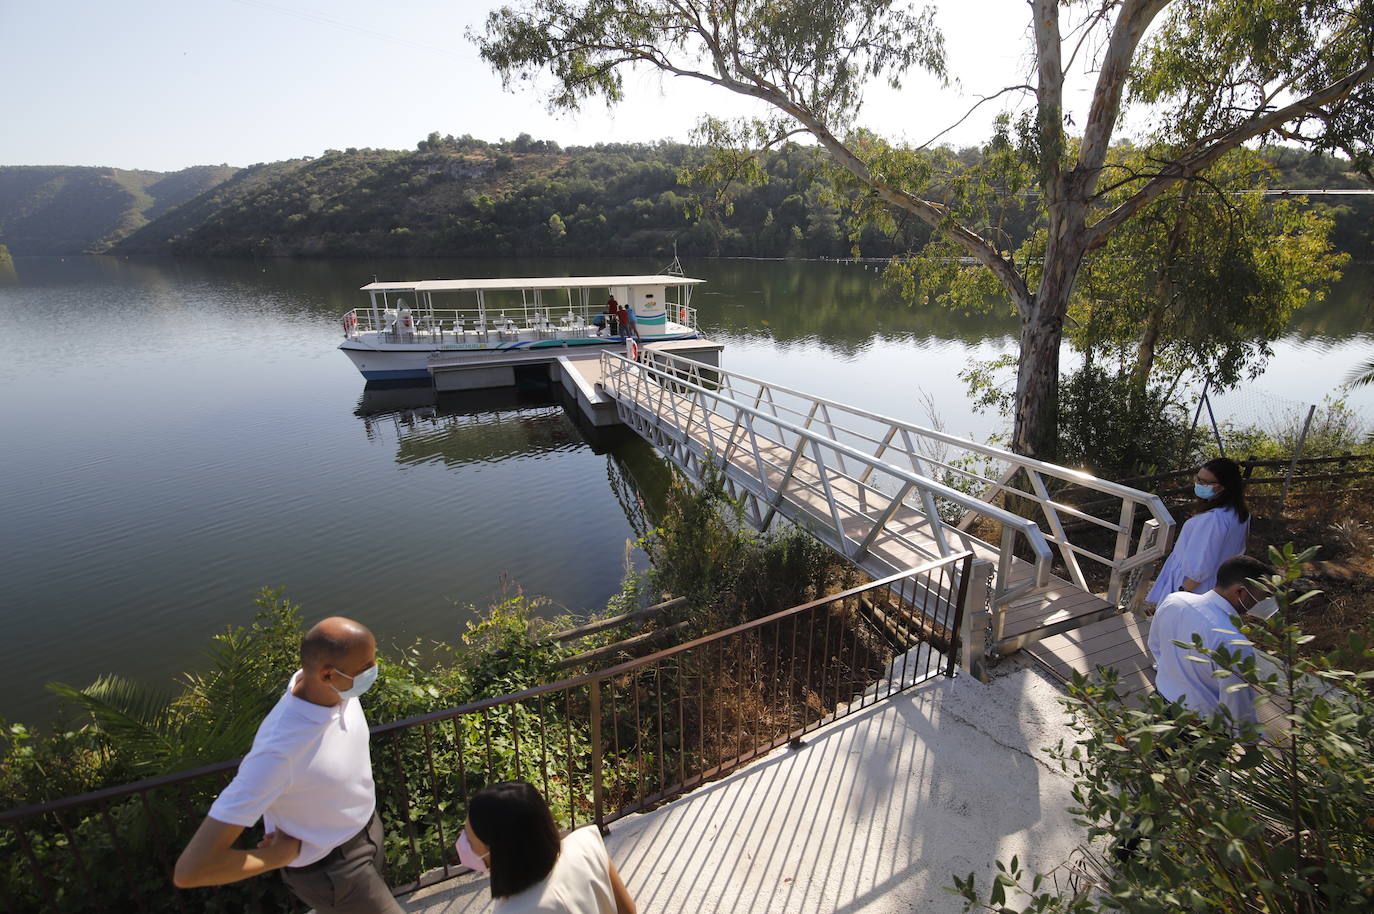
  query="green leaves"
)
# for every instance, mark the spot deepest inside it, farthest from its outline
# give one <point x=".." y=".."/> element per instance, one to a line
<point x="1194" y="819"/>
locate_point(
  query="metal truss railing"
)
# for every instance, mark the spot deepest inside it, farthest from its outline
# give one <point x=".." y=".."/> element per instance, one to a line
<point x="1121" y="531"/>
<point x="879" y="515"/>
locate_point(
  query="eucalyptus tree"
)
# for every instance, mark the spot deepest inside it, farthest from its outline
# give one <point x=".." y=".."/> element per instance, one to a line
<point x="1208" y="76"/>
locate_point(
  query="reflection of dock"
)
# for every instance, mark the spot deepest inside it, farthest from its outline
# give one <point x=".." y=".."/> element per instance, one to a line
<point x="576" y="372"/>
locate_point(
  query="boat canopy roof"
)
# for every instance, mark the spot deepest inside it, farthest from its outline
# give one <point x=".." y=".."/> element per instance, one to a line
<point x="530" y="282"/>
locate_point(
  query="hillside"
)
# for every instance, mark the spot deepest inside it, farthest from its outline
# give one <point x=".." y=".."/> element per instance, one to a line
<point x="467" y="197"/>
<point x="73" y="210"/>
<point x="470" y="198"/>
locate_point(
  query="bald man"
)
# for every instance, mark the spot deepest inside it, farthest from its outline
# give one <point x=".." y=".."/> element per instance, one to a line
<point x="308" y="777"/>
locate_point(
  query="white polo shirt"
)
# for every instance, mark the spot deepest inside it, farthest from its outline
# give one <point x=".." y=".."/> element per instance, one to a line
<point x="309" y="774"/>
<point x="1177" y="678"/>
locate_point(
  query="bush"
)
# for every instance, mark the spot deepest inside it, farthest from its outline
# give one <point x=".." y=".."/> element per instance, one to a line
<point x="703" y="550"/>
<point x="1115" y="429"/>
<point x="1336" y="429"/>
<point x="1218" y="823"/>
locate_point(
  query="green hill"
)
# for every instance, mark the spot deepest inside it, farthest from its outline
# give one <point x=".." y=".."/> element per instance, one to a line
<point x="467" y="197"/>
<point x="73" y="210"/>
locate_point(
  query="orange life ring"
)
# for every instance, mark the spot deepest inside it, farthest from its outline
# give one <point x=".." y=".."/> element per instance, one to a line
<point x="633" y="349"/>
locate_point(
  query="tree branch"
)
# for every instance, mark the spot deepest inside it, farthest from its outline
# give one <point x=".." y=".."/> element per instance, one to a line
<point x="986" y="98"/>
<point x="1131" y="23"/>
<point x="1207" y="150"/>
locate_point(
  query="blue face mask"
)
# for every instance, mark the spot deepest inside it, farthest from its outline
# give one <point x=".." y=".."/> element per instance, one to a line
<point x="361" y="683"/>
<point x="1204" y="492"/>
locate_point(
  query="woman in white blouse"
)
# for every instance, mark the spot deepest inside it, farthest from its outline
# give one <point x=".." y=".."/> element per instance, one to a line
<point x="511" y="835"/>
<point x="1211" y="536"/>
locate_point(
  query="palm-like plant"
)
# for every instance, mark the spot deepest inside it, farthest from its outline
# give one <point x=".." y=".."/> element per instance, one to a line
<point x="215" y="714"/>
<point x="1361" y="375"/>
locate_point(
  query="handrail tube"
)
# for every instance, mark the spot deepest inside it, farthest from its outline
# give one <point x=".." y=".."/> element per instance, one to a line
<point x="1028" y="528"/>
<point x="1155" y="504"/>
<point x="1035" y="470"/>
<point x="1056" y="470"/>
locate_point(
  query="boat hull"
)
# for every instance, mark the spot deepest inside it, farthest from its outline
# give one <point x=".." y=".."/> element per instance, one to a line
<point x="402" y="363"/>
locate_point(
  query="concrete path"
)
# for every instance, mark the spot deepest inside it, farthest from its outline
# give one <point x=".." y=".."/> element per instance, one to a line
<point x="874" y="814"/>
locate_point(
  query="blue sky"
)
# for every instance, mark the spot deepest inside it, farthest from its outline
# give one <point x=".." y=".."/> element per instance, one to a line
<point x="160" y="84"/>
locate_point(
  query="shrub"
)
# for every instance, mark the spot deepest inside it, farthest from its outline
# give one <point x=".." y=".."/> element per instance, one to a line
<point x="1183" y="816"/>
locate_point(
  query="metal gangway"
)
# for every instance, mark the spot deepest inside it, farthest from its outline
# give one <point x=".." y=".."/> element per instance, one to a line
<point x="1063" y="548"/>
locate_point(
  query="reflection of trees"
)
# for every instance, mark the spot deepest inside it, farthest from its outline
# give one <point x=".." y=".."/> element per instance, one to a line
<point x="831" y="303"/>
<point x="639" y="479"/>
<point x="1346" y="311"/>
<point x="841" y="304"/>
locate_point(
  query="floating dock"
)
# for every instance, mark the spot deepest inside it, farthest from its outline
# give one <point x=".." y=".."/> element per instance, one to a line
<point x="576" y="369"/>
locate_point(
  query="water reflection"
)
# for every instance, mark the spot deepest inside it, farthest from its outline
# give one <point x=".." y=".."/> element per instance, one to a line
<point x="460" y="428"/>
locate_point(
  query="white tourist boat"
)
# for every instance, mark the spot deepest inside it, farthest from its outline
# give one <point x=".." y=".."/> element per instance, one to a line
<point x="407" y="325"/>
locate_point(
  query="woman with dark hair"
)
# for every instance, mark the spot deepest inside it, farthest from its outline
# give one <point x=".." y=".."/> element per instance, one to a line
<point x="510" y="834"/>
<point x="1216" y="532"/>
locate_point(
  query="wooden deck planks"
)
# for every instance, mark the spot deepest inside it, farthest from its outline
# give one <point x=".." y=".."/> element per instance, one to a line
<point x="1118" y="641"/>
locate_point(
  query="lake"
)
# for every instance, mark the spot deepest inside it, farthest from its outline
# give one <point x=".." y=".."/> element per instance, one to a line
<point x="178" y="434"/>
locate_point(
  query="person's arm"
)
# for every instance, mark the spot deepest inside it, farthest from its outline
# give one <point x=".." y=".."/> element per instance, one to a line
<point x="1189" y="585"/>
<point x="211" y="859"/>
<point x="624" y="904"/>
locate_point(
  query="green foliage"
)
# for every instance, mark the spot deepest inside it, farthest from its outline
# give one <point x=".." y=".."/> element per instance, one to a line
<point x="703" y="550"/>
<point x="1206" y="277"/>
<point x="1216" y="821"/>
<point x="1115" y="430"/>
<point x="1336" y="429"/>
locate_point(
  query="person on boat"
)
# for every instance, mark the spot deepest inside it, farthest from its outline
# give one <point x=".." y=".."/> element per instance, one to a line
<point x="1219" y="530"/>
<point x="610" y="320"/>
<point x="510" y="834"/>
<point x="308" y="778"/>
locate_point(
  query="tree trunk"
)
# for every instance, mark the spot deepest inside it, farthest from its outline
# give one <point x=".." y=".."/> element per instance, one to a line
<point x="1036" y="429"/>
<point x="1145" y="352"/>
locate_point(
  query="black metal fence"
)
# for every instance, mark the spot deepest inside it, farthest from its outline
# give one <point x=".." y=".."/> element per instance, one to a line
<point x="600" y="746"/>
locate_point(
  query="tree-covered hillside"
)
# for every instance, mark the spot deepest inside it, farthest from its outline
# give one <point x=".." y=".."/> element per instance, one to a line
<point x="71" y="210"/>
<point x="468" y="197"/>
<point x="462" y="196"/>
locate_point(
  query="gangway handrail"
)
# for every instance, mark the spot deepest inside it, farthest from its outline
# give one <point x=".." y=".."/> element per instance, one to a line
<point x="614" y="365"/>
<point x="1152" y="543"/>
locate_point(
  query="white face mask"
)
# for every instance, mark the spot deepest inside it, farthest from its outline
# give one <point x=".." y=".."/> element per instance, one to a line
<point x="1264" y="608"/>
<point x="361" y="683"/>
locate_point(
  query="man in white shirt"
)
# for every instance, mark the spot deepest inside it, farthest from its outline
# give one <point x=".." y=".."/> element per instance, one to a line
<point x="1208" y="615"/>
<point x="308" y="777"/>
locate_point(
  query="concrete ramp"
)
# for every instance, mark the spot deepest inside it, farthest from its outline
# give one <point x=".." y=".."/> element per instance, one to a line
<point x="874" y="814"/>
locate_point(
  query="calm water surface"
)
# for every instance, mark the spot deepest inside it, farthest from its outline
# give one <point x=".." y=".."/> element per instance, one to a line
<point x="178" y="434"/>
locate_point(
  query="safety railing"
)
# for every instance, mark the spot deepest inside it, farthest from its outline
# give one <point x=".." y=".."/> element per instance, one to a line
<point x="599" y="746"/>
<point x="467" y="326"/>
<point x="880" y="515"/>
<point x="1122" y="532"/>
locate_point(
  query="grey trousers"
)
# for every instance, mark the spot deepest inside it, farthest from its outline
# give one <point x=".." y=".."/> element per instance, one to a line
<point x="349" y="879"/>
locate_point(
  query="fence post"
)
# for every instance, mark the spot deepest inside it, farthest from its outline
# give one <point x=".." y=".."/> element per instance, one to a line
<point x="974" y="630"/>
<point x="1297" y="452"/>
<point x="1138" y="579"/>
<point x="598" y="796"/>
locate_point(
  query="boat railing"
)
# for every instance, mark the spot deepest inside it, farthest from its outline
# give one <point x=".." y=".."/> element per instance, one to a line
<point x="442" y="326"/>
<point x="456" y="326"/>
